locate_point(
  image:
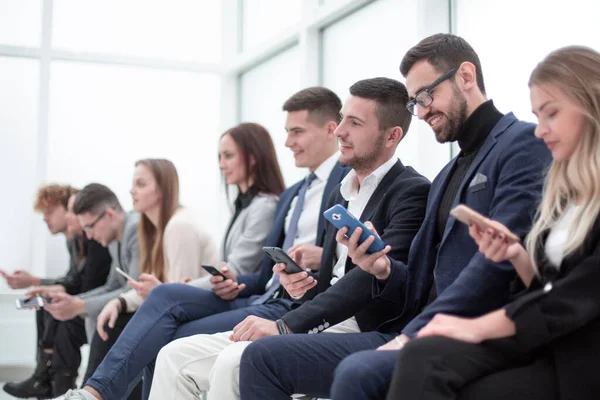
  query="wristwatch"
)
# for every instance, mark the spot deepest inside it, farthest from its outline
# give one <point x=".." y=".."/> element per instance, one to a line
<point x="281" y="327"/>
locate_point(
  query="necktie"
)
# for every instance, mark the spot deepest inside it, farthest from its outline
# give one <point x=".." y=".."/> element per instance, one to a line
<point x="290" y="235"/>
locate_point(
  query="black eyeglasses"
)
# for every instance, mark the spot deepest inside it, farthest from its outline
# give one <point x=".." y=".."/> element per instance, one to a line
<point x="88" y="228"/>
<point x="424" y="97"/>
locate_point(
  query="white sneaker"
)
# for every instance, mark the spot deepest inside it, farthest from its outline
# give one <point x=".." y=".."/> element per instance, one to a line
<point x="78" y="394"/>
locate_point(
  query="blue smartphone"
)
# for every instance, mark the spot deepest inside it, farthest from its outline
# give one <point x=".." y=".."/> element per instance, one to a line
<point x="340" y="217"/>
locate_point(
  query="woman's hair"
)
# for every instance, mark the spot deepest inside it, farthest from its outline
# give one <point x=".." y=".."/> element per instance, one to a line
<point x="255" y="144"/>
<point x="575" y="71"/>
<point x="150" y="237"/>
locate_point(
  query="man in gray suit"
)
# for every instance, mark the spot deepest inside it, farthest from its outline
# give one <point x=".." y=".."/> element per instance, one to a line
<point x="103" y="219"/>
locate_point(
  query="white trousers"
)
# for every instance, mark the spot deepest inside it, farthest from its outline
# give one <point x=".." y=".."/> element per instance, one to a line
<point x="188" y="367"/>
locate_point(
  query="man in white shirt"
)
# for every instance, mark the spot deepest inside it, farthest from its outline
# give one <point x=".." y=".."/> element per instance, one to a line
<point x="378" y="187"/>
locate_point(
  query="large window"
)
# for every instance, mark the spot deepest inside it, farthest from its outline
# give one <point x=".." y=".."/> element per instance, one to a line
<point x="21" y="22"/>
<point x="175" y="29"/>
<point x="264" y="89"/>
<point x="263" y="20"/>
<point x="18" y="163"/>
<point x="92" y="87"/>
<point x="512" y="36"/>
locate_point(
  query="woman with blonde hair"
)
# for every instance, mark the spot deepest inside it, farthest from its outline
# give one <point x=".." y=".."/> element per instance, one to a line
<point x="545" y="344"/>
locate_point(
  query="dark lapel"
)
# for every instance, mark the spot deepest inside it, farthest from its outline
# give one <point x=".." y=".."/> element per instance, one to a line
<point x="381" y="190"/>
<point x="487" y="146"/>
<point x="335" y="177"/>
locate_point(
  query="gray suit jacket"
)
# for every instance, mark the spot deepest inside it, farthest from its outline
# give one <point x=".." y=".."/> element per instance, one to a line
<point x="128" y="260"/>
<point x="242" y="248"/>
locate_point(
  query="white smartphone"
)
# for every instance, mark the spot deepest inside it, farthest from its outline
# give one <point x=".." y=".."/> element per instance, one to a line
<point x="119" y="270"/>
<point x="29" y="302"/>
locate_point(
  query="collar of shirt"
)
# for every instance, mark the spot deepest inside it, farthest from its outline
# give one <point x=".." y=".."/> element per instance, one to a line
<point x="324" y="170"/>
<point x="350" y="187"/>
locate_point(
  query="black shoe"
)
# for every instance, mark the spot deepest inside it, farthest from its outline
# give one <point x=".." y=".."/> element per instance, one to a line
<point x="61" y="383"/>
<point x="38" y="385"/>
<point x="31" y="387"/>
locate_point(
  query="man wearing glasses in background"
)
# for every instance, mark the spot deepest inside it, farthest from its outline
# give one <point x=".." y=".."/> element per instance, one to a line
<point x="102" y="219"/>
<point x="498" y="172"/>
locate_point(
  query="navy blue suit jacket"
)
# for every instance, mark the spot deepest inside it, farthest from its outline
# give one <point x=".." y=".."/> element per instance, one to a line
<point x="256" y="282"/>
<point x="504" y="182"/>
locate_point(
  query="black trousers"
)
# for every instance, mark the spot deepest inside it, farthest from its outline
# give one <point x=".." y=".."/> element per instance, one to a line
<point x="65" y="338"/>
<point x="99" y="349"/>
<point x="437" y="368"/>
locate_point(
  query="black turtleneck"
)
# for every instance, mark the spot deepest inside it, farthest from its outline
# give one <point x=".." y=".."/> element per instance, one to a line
<point x="472" y="135"/>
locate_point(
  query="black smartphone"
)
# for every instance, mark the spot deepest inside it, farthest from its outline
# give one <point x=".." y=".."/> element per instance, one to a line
<point x="280" y="256"/>
<point x="213" y="271"/>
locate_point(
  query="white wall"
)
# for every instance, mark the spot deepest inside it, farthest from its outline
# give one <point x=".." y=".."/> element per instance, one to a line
<point x="370" y="43"/>
<point x="512" y="36"/>
<point x="264" y="89"/>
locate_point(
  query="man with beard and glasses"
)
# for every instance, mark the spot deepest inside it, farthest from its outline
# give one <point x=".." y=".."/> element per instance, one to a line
<point x="498" y="172"/>
<point x="378" y="188"/>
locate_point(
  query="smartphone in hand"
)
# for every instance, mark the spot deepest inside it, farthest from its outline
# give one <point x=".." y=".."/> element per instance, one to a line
<point x="340" y="217"/>
<point x="469" y="216"/>
<point x="119" y="270"/>
<point x="36" y="301"/>
<point x="213" y="271"/>
<point x="280" y="256"/>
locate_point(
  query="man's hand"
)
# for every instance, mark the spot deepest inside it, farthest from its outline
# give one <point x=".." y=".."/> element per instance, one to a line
<point x="307" y="255"/>
<point x="376" y="264"/>
<point x="45" y="291"/>
<point x="295" y="284"/>
<point x="145" y="285"/>
<point x="394" y="344"/>
<point x="20" y="279"/>
<point x="253" y="328"/>
<point x="64" y="306"/>
<point x="109" y="315"/>
<point x="227" y="289"/>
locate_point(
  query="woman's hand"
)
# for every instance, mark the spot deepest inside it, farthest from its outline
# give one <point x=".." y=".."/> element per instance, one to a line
<point x="494" y="245"/>
<point x="494" y="325"/>
<point x="463" y="329"/>
<point x="145" y="285"/>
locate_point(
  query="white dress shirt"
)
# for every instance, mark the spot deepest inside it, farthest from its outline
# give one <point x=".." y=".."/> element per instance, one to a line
<point x="558" y="236"/>
<point x="357" y="197"/>
<point x="309" y="218"/>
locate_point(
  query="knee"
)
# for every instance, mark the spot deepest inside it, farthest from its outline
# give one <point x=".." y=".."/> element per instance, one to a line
<point x="229" y="358"/>
<point x="257" y="356"/>
<point x="420" y="351"/>
<point x="166" y="355"/>
<point x="362" y="375"/>
<point x="162" y="292"/>
<point x="352" y="369"/>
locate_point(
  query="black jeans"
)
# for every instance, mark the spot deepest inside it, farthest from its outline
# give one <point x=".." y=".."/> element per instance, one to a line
<point x="438" y="368"/>
<point x="65" y="338"/>
<point x="99" y="349"/>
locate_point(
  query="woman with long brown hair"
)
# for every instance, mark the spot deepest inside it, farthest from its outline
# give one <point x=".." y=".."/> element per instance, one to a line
<point x="173" y="245"/>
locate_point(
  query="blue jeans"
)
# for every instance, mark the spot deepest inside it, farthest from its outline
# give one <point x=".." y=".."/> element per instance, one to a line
<point x="276" y="367"/>
<point x="364" y="375"/>
<point x="171" y="311"/>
